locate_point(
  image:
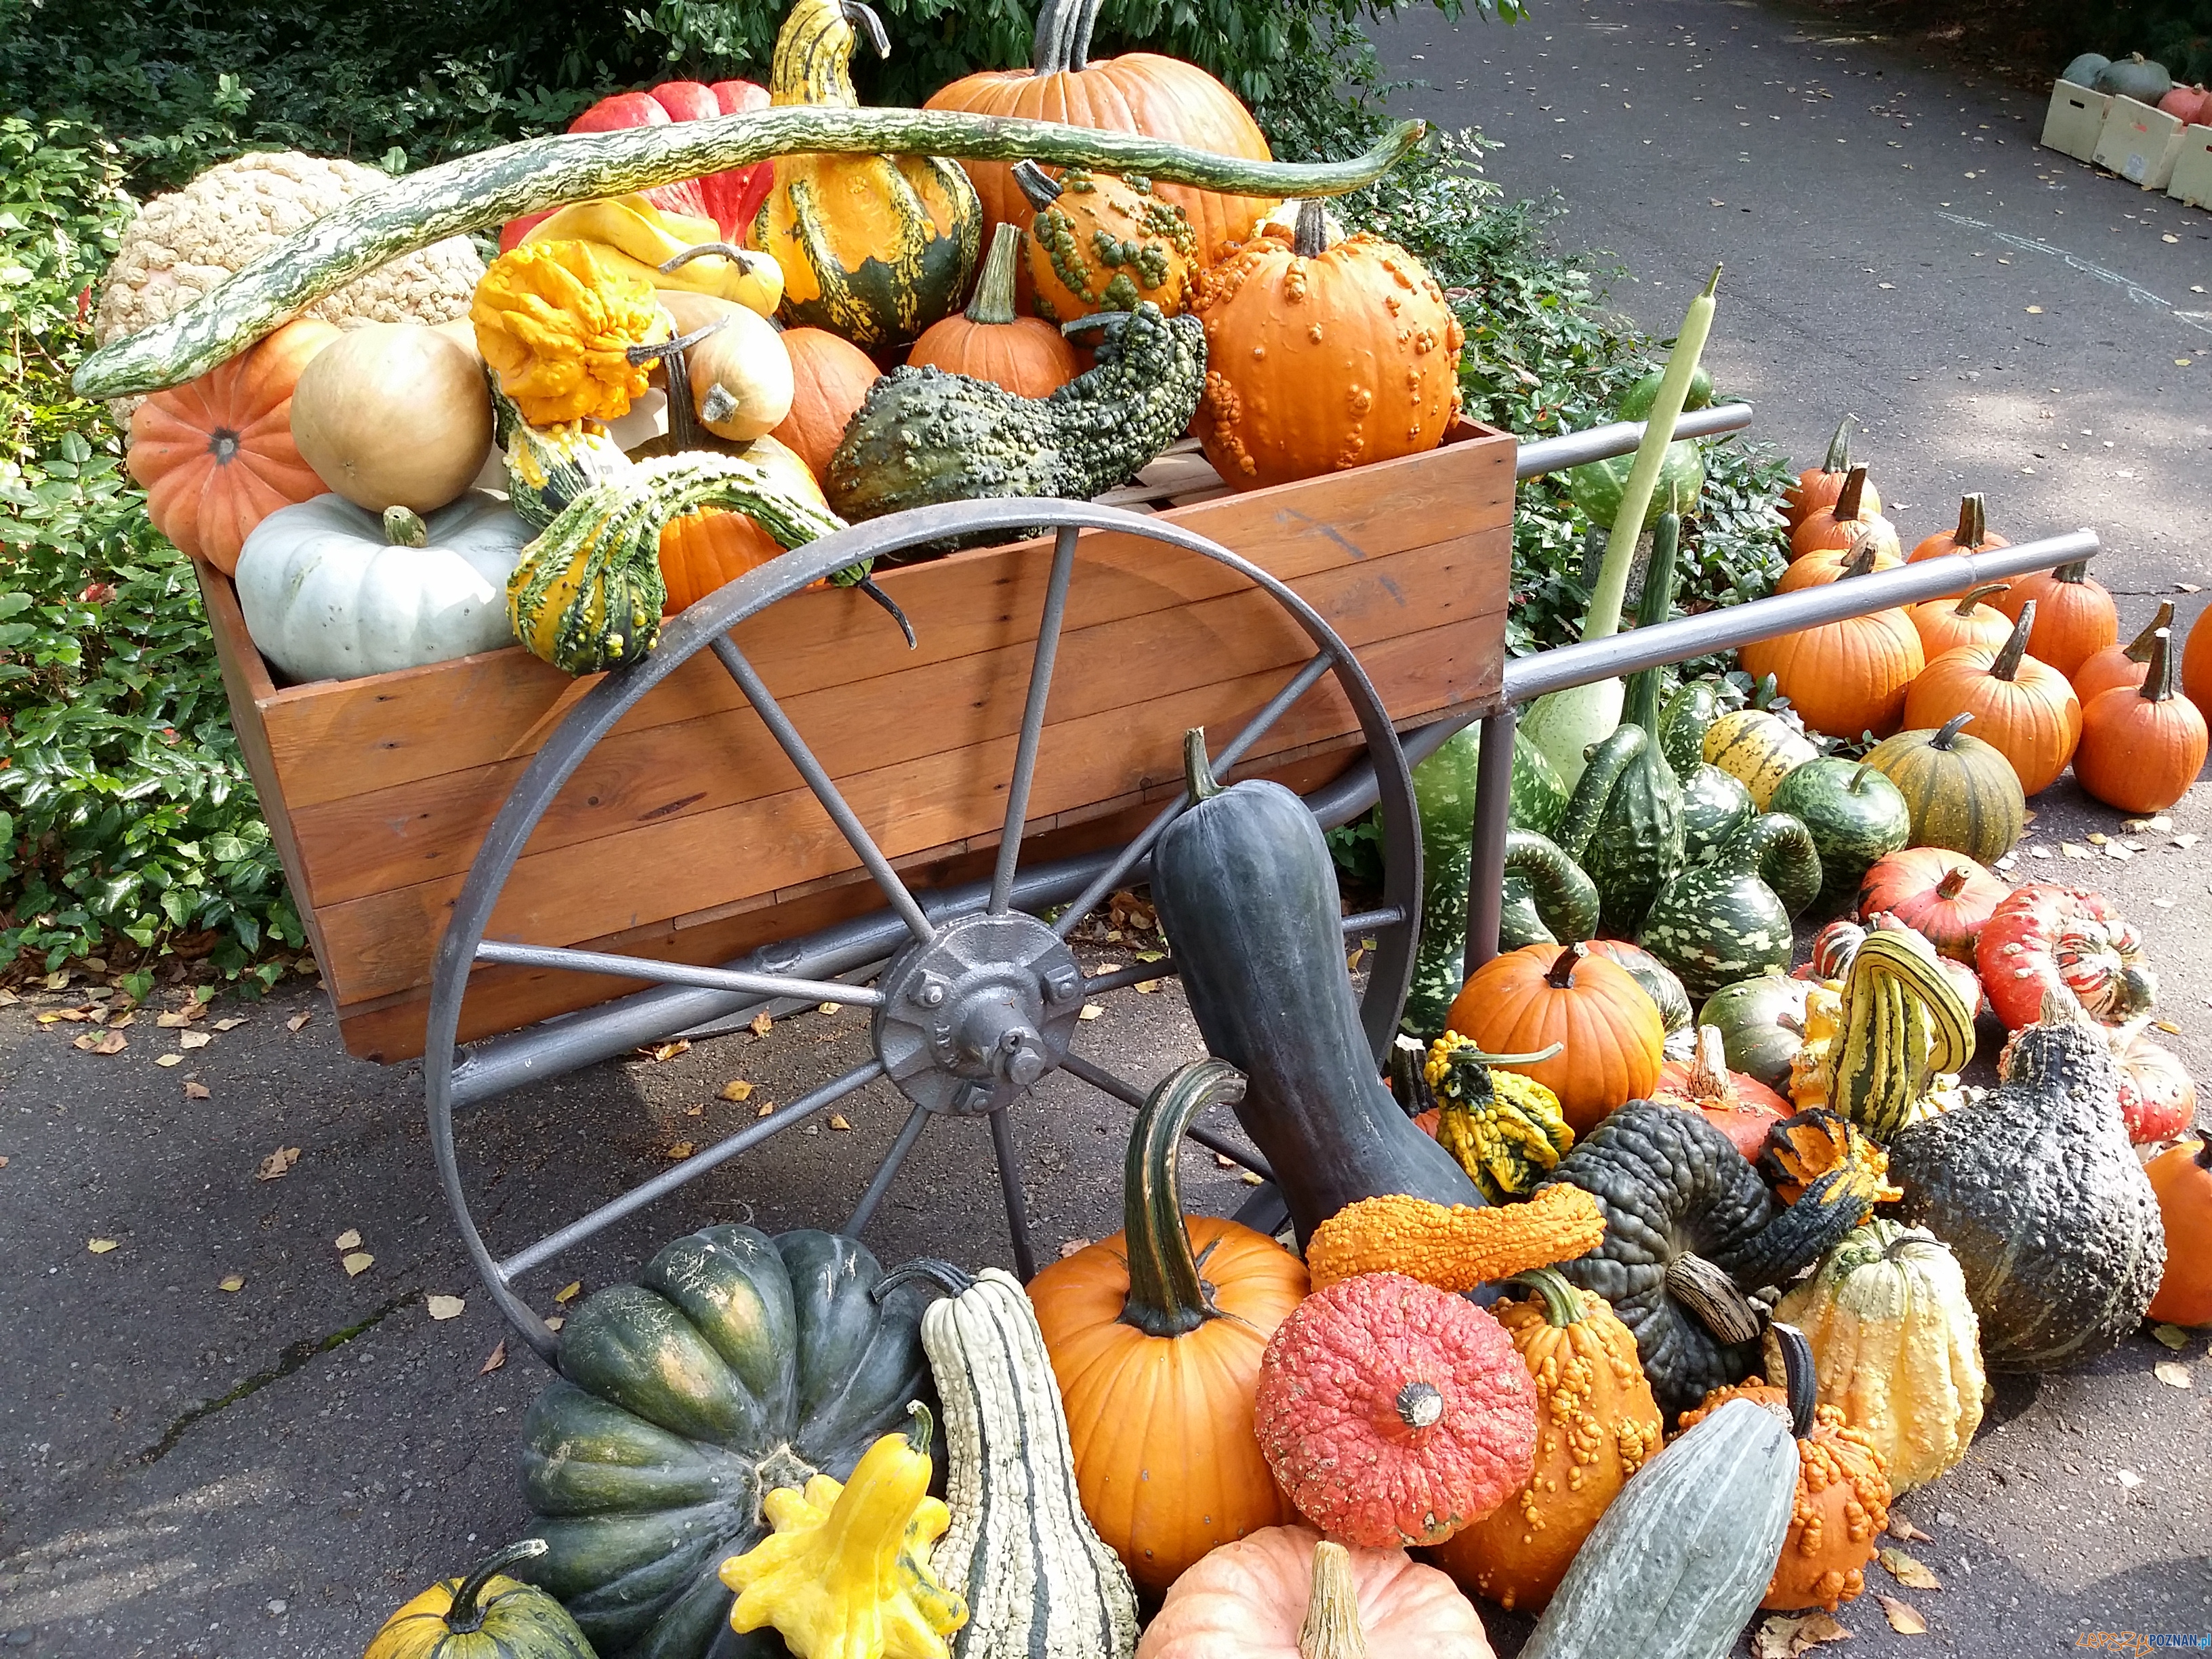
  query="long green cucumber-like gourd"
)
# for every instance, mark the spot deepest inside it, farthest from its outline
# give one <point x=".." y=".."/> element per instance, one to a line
<point x="1548" y="898"/>
<point x="473" y="192"/>
<point x="1245" y="888"/>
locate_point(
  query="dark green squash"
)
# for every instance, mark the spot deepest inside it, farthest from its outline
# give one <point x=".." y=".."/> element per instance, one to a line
<point x="2040" y="1197"/>
<point x="1245" y="889"/>
<point x="737" y="1363"/>
<point x="1715" y="806"/>
<point x="485" y="1616"/>
<point x="1548" y="899"/>
<point x="1761" y="1020"/>
<point x="1729" y="917"/>
<point x="1855" y="816"/>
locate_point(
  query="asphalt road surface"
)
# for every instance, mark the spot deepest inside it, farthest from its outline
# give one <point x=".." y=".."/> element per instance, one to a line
<point x="263" y="1473"/>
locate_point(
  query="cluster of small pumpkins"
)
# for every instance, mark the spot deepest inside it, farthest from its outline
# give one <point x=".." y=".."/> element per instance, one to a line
<point x="2036" y="665"/>
<point x="2143" y="79"/>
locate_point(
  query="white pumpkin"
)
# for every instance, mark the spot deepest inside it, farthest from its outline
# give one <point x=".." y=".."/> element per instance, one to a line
<point x="332" y="592"/>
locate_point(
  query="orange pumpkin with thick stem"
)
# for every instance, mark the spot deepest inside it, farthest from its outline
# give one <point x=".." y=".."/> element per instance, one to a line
<point x="829" y="377"/>
<point x="1848" y="676"/>
<point x="2181" y="1177"/>
<point x="1819" y="486"/>
<point x="2074" y="615"/>
<point x="1597" y="1423"/>
<point x="1608" y="1027"/>
<point x="1948" y="623"/>
<point x="1828" y="565"/>
<point x="215" y="455"/>
<point x="2141" y="748"/>
<point x="1740" y="1107"/>
<point x="2023" y="708"/>
<point x="1025" y="355"/>
<point x="2126" y="665"/>
<point x="1972" y="534"/>
<point x="1842" y="524"/>
<point x="1942" y="896"/>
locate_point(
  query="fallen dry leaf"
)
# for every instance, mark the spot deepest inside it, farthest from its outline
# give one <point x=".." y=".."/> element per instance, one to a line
<point x="837" y="1121"/>
<point x="556" y="1322"/>
<point x="1903" y="1618"/>
<point x="2172" y="1335"/>
<point x="189" y="1040"/>
<point x="1090" y="1011"/>
<point x="829" y="1007"/>
<point x="348" y="1240"/>
<point x="3" y="1162"/>
<point x="1785" y="1635"/>
<point x="58" y="1016"/>
<point x="107" y="1042"/>
<point x="445" y="1307"/>
<point x="229" y="1025"/>
<point x="761" y="1024"/>
<point x="494" y="1360"/>
<point x="297" y="1021"/>
<point x="766" y="1107"/>
<point x="197" y="1090"/>
<point x="120" y="1021"/>
<point x="668" y="1051"/>
<point x="168" y="1060"/>
<point x="1224" y="1161"/>
<point x="100" y="1245"/>
<point x="1145" y="987"/>
<point x="278" y="1163"/>
<point x="1900" y="1526"/>
<point x="170" y="1021"/>
<point x="1073" y="1247"/>
<point x="678" y="1150"/>
<point x="2127" y="1478"/>
<point x="1908" y="1571"/>
<point x="735" y="1090"/>
<point x="1249" y="1178"/>
<point x="2173" y="1374"/>
<point x="358" y="1264"/>
<point x="569" y="1293"/>
<point x="231" y="1282"/>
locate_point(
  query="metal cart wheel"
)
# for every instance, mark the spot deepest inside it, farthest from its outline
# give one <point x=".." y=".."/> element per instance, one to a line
<point x="978" y="996"/>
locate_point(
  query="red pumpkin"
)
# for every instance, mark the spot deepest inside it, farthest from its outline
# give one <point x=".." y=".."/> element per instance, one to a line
<point x="2074" y="615"/>
<point x="2126" y="665"/>
<point x="1942" y="896"/>
<point x="730" y="199"/>
<point x="2157" y="1098"/>
<point x="1740" y="1107"/>
<point x="1394" y="1413"/>
<point x="2190" y="106"/>
<point x="2182" y="1178"/>
<point x="2045" y="938"/>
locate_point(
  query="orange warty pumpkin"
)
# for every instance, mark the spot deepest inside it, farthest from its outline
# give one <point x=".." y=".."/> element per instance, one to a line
<point x="1819" y="486"/>
<point x="1945" y="624"/>
<point x="1856" y="513"/>
<point x="1597" y="1422"/>
<point x="2141" y="749"/>
<point x="2023" y="708"/>
<point x="1025" y="355"/>
<point x="2126" y="665"/>
<point x="215" y="455"/>
<point x="1608" y="1027"/>
<point x="1322" y="357"/>
<point x="1972" y="534"/>
<point x="830" y="377"/>
<point x="2074" y="615"/>
<point x="1848" y="676"/>
<point x="2181" y="1177"/>
<point x="1137" y="92"/>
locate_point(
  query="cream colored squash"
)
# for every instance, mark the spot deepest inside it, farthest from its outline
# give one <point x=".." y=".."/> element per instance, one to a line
<point x="394" y="415"/>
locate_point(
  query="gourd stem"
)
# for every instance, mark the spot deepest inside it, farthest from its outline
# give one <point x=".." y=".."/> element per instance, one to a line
<point x="1409" y="1078"/>
<point x="1948" y="730"/>
<point x="1310" y="236"/>
<point x="1420" y="1404"/>
<point x="1838" y="458"/>
<point x="1860" y="561"/>
<point x="1858" y="785"/>
<point x="2204" y="1152"/>
<point x="1038" y="188"/>
<point x="745" y="257"/>
<point x="1954" y="882"/>
<point x="1561" y="975"/>
<point x="1197" y="770"/>
<point x="1848" y="503"/>
<point x="1562" y="1306"/>
<point x="1789" y="1360"/>
<point x="917" y="1432"/>
<point x="993" y="302"/>
<point x="464" y="1615"/>
<point x="1973" y="522"/>
<point x="952" y="1280"/>
<point x="1331" y="1628"/>
<point x="2076" y="573"/>
<point x="864" y="19"/>
<point x="1713" y="1297"/>
<point x="2139" y="647"/>
<point x="1974" y="596"/>
<point x="2157" y="684"/>
<point x="404" y="528"/>
<point x="1167" y="1297"/>
<point x="2006" y="665"/>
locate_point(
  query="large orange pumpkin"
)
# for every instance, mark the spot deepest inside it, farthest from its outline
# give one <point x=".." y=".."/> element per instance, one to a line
<point x="1846" y="677"/>
<point x="1156" y="1336"/>
<point x="1597" y="1423"/>
<point x="2181" y="1177"/>
<point x="1320" y="357"/>
<point x="829" y="377"/>
<point x="2142" y="747"/>
<point x="2126" y="665"/>
<point x="2023" y="708"/>
<point x="1137" y="92"/>
<point x="1608" y="1027"/>
<point x="2074" y="615"/>
<point x="215" y="455"/>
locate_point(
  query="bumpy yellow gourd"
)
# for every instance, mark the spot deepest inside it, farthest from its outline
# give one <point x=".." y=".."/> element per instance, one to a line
<point x="1505" y="1130"/>
<point x="632" y="235"/>
<point x="1808" y="1066"/>
<point x="1456" y="1249"/>
<point x="556" y="321"/>
<point x="846" y="1574"/>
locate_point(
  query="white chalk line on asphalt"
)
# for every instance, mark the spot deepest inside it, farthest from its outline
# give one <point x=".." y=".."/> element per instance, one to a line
<point x="2201" y="321"/>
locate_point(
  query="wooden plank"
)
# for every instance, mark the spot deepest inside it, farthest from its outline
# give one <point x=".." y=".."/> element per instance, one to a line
<point x="338" y="739"/>
<point x="382" y="943"/>
<point x="393" y="837"/>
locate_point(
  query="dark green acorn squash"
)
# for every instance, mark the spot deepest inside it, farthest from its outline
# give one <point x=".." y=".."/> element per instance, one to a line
<point x="2038" y="1195"/>
<point x="1245" y="889"/>
<point x="1715" y="806"/>
<point x="1761" y="1021"/>
<point x="1548" y="899"/>
<point x="736" y="1363"/>
<point x="1855" y="816"/>
<point x="1729" y="917"/>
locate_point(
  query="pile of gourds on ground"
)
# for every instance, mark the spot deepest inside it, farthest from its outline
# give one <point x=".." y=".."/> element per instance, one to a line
<point x="335" y="474"/>
<point x="1518" y="1267"/>
<point x="2143" y="79"/>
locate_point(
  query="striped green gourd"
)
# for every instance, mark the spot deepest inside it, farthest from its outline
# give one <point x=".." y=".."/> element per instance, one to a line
<point x="474" y="192"/>
<point x="548" y="467"/>
<point x="1902" y="1023"/>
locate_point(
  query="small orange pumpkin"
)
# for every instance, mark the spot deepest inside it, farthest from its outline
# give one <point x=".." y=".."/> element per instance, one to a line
<point x="1945" y="624"/>
<point x="1972" y="534"/>
<point x="830" y="378"/>
<point x="1608" y="1027"/>
<point x="2196" y="665"/>
<point x="2181" y="1177"/>
<point x="1819" y="569"/>
<point x="2126" y="665"/>
<point x="701" y="551"/>
<point x="1025" y="355"/>
<point x="1845" y="677"/>
<point x="1819" y="486"/>
<point x="2141" y="748"/>
<point x="2074" y="615"/>
<point x="215" y="455"/>
<point x="1842" y="525"/>
<point x="2023" y="708"/>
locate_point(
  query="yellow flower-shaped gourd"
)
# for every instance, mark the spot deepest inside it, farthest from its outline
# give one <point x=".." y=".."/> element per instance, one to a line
<point x="846" y="1574"/>
<point x="556" y="321"/>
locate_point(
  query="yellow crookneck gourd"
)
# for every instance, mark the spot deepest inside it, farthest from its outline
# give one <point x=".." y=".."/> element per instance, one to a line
<point x="631" y="236"/>
<point x="846" y="1574"/>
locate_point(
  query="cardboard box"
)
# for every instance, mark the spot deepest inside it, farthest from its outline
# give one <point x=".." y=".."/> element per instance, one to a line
<point x="2139" y="143"/>
<point x="2076" y="119"/>
<point x="2192" y="168"/>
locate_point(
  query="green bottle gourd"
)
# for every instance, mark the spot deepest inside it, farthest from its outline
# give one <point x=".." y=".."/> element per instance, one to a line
<point x="1729" y="919"/>
<point x="1624" y="823"/>
<point x="1548" y="898"/>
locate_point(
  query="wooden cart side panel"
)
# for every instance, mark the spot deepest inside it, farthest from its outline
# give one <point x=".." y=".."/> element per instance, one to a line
<point x="382" y="943"/>
<point x="391" y="837"/>
<point x="338" y="739"/>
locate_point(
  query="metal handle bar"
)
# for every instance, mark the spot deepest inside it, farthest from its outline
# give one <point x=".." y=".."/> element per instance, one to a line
<point x="1602" y="443"/>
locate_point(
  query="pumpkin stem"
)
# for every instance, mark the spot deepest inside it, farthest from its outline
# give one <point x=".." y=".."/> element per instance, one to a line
<point x="1409" y="1077"/>
<point x="1848" y="503"/>
<point x="1973" y="522"/>
<point x="1167" y="1297"/>
<point x="1309" y="236"/>
<point x="404" y="528"/>
<point x="1713" y="1296"/>
<point x="993" y="302"/>
<point x="2157" y="684"/>
<point x="1859" y="562"/>
<point x="1707" y="1077"/>
<point x="1954" y="882"/>
<point x="1563" y="1306"/>
<point x="1197" y="771"/>
<point x="2077" y="572"/>
<point x="2204" y="1152"/>
<point x="1331" y="1629"/>
<point x="2006" y="665"/>
<point x="1838" y="458"/>
<point x="1038" y="188"/>
<point x="464" y="1615"/>
<point x="1788" y="1358"/>
<point x="1949" y="730"/>
<point x="1561" y="975"/>
<point x="1974" y="596"/>
<point x="1420" y="1404"/>
<point x="2139" y="647"/>
<point x="1061" y="44"/>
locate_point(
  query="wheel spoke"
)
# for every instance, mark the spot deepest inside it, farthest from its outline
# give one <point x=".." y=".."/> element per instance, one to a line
<point x="1025" y="751"/>
<point x="818" y="779"/>
<point x="1129" y="1095"/>
<point x="677" y="973"/>
<point x="1010" y="1183"/>
<point x="693" y="1167"/>
<point x="864" y="1211"/>
<point x="1111" y="877"/>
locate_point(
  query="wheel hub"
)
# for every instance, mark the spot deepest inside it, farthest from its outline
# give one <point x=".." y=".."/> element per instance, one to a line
<point x="979" y="1013"/>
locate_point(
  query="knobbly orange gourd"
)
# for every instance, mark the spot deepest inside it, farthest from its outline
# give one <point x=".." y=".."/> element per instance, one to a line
<point x="2022" y="708"/>
<point x="1099" y="243"/>
<point x="558" y="324"/>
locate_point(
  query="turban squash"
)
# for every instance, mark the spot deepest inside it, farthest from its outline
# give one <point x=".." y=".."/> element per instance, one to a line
<point x="2044" y="937"/>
